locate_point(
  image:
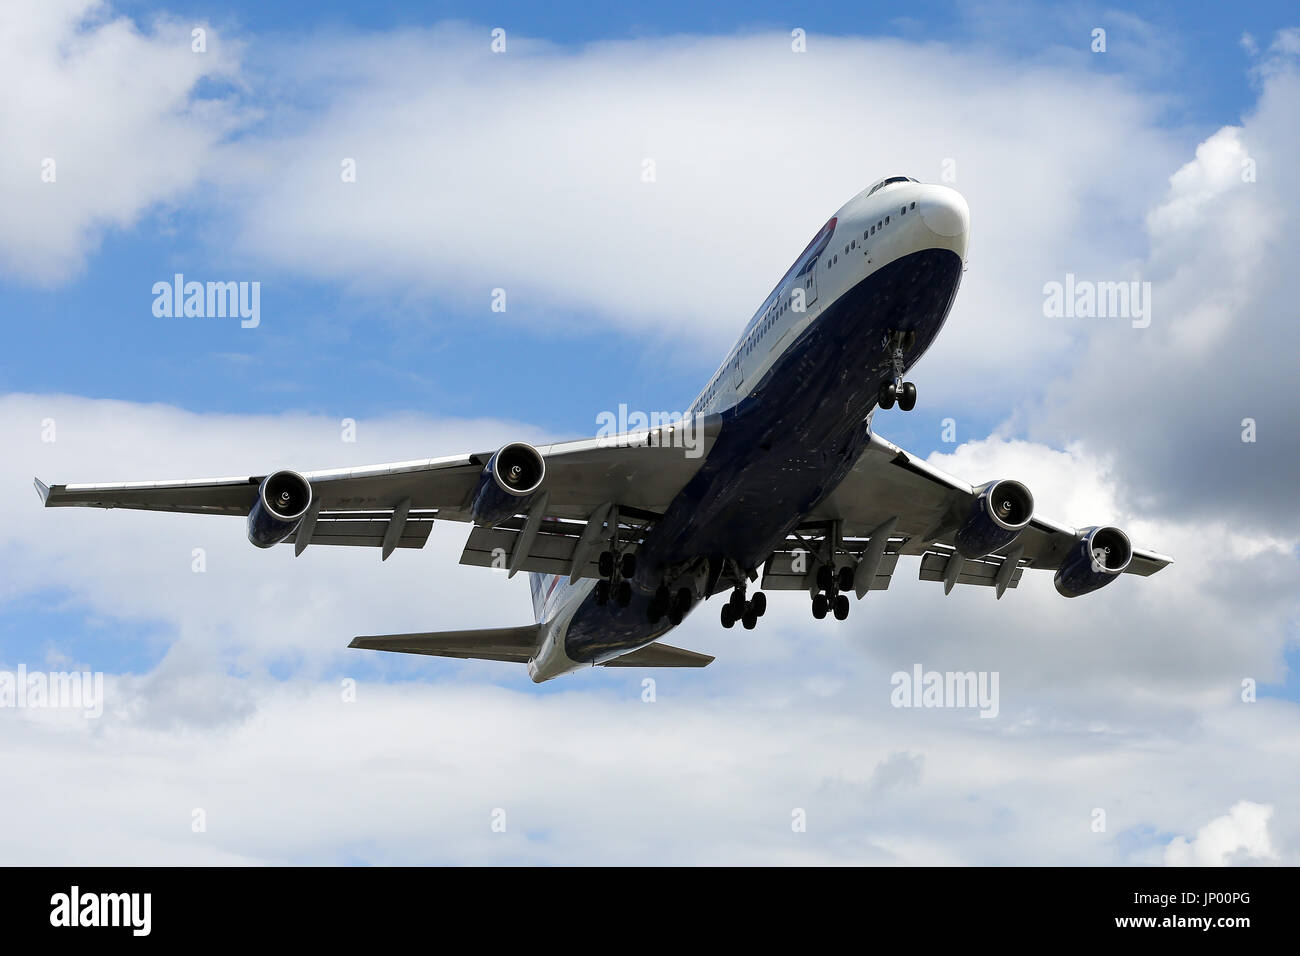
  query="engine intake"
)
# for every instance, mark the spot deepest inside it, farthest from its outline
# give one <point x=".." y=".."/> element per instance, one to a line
<point x="1097" y="558"/>
<point x="997" y="517"/>
<point x="282" y="499"/>
<point x="509" y="481"/>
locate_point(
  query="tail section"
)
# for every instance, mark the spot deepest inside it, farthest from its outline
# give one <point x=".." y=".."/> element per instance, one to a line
<point x="515" y="644"/>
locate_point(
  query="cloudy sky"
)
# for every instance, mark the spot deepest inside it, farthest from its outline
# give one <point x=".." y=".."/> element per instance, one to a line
<point x="229" y="733"/>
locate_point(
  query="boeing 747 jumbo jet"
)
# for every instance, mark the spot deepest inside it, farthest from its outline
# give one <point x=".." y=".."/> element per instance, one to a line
<point x="775" y="470"/>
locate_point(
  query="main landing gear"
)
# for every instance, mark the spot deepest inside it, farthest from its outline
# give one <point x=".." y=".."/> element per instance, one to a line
<point x="665" y="602"/>
<point x="747" y="612"/>
<point x="829" y="598"/>
<point x="897" y="390"/>
<point x="615" y="577"/>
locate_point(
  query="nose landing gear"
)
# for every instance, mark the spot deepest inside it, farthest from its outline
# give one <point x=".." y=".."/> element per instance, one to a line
<point x="897" y="390"/>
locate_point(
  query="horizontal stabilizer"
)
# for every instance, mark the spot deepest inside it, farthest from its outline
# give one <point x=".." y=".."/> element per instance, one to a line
<point x="516" y="644"/>
<point x="661" y="655"/>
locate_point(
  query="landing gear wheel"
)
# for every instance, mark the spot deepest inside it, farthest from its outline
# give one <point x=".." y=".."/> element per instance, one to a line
<point x="759" y="603"/>
<point x="844" y="578"/>
<point x="820" y="606"/>
<point x="737" y="602"/>
<point x="886" y="396"/>
<point x="606" y="564"/>
<point x="674" y="615"/>
<point x="749" y="619"/>
<point x="907" y="397"/>
<point x="602" y="592"/>
<point x="627" y="564"/>
<point x="728" y="616"/>
<point x="623" y="593"/>
<point x="841" y="606"/>
<point x="825" y="577"/>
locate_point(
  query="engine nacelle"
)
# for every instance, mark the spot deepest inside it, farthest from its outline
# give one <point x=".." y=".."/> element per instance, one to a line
<point x="1097" y="558"/>
<point x="997" y="517"/>
<point x="508" y="483"/>
<point x="282" y="499"/>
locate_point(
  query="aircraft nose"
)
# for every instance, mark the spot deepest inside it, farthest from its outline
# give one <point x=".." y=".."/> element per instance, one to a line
<point x="944" y="212"/>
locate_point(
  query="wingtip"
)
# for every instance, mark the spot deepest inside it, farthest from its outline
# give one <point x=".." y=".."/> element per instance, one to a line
<point x="42" y="489"/>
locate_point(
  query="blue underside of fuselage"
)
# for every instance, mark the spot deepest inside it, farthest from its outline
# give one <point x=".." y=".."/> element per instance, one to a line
<point x="783" y="448"/>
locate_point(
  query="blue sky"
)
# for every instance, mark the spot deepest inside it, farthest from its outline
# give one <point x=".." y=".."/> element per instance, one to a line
<point x="523" y="172"/>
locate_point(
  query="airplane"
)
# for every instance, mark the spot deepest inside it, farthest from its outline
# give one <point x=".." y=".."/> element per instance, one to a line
<point x="774" y="470"/>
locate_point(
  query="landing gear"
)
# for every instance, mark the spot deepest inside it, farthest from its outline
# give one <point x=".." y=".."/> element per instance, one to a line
<point x="747" y="612"/>
<point x="681" y="604"/>
<point x="844" y="579"/>
<point x="896" y="390"/>
<point x="828" y="599"/>
<point x="615" y="582"/>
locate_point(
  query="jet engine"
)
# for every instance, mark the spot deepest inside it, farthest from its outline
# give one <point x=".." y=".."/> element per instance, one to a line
<point x="508" y="483"/>
<point x="282" y="499"/>
<point x="1097" y="558"/>
<point x="998" y="515"/>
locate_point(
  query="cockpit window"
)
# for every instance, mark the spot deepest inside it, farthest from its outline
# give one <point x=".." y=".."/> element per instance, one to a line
<point x="891" y="179"/>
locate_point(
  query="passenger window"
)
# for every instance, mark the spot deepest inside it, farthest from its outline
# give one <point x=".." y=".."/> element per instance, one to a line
<point x="903" y="211"/>
<point x="913" y="206"/>
<point x="886" y="220"/>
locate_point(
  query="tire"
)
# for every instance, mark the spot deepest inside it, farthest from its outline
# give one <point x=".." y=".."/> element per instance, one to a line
<point x="728" y="619"/>
<point x="623" y="593"/>
<point x="820" y="606"/>
<point x="737" y="602"/>
<point x="886" y="396"/>
<point x="602" y="591"/>
<point x="907" y="399"/>
<point x="759" y="603"/>
<point x="606" y="564"/>
<point x="627" y="564"/>
<point x="674" y="616"/>
<point x="841" y="607"/>
<point x="749" y="620"/>
<point x="844" y="578"/>
<point x="825" y="577"/>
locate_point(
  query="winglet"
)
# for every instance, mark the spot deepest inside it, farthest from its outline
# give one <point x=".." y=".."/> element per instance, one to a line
<point x="43" y="490"/>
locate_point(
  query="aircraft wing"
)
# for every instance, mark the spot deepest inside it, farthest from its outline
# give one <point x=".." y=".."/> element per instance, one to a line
<point x="919" y="508"/>
<point x="394" y="505"/>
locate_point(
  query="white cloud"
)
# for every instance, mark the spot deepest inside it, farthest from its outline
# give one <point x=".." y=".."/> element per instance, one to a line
<point x="114" y="108"/>
<point x="1239" y="836"/>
